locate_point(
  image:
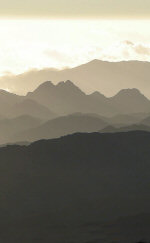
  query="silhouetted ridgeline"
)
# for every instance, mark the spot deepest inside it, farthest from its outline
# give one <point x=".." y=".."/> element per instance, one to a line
<point x="103" y="76"/>
<point x="65" y="98"/>
<point x="49" y="101"/>
<point x="62" y="126"/>
<point x="52" y="111"/>
<point x="74" y="188"/>
<point x="138" y="127"/>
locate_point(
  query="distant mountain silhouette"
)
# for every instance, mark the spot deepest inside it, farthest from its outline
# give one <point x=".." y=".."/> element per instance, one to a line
<point x="62" y="126"/>
<point x="18" y="143"/>
<point x="134" y="127"/>
<point x="102" y="76"/>
<point x="63" y="190"/>
<point x="7" y="100"/>
<point x="130" y="101"/>
<point x="126" y="119"/>
<point x="109" y="129"/>
<point x="30" y="108"/>
<point x="9" y="127"/>
<point x="146" y="121"/>
<point x="65" y="98"/>
<point x="49" y="101"/>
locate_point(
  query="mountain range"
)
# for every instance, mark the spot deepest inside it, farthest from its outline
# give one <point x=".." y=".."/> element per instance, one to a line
<point x="61" y="126"/>
<point x="29" y="129"/>
<point x="74" y="163"/>
<point x="106" y="77"/>
<point x="66" y="98"/>
<point x="65" y="109"/>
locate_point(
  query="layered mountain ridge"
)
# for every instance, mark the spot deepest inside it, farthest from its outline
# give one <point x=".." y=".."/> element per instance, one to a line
<point x="65" y="109"/>
<point x="103" y="76"/>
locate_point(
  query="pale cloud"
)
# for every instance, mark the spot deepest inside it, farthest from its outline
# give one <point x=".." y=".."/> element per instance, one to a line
<point x="119" y="51"/>
<point x="61" y="55"/>
<point x="126" y="50"/>
<point x="72" y="56"/>
<point x="143" y="50"/>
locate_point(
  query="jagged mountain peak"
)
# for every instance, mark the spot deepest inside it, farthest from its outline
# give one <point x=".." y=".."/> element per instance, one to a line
<point x="45" y="85"/>
<point x="97" y="94"/>
<point x="132" y="91"/>
<point x="66" y="83"/>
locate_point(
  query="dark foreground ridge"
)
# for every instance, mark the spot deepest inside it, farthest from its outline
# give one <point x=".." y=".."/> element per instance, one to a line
<point x="75" y="189"/>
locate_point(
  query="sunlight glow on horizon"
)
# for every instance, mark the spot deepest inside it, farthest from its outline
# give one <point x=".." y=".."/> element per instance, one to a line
<point x="27" y="44"/>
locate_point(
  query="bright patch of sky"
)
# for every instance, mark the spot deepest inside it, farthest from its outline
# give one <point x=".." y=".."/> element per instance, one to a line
<point x="28" y="44"/>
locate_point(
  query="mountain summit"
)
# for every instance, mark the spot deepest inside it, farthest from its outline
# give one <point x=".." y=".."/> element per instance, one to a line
<point x="130" y="101"/>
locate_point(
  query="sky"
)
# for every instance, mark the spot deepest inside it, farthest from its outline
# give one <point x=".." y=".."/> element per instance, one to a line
<point x="66" y="33"/>
<point x="76" y="9"/>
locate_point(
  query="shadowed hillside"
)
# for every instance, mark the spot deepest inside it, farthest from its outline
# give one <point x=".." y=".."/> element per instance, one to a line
<point x="67" y="189"/>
